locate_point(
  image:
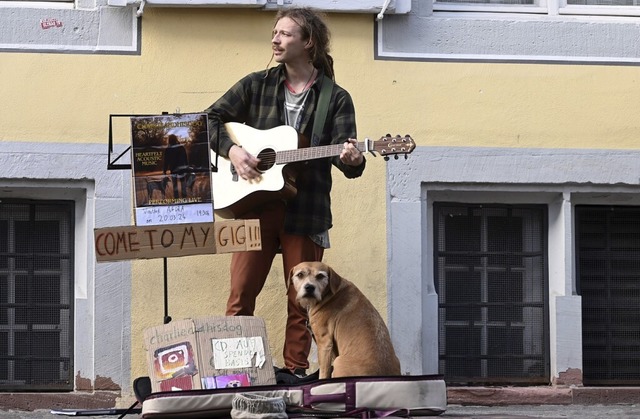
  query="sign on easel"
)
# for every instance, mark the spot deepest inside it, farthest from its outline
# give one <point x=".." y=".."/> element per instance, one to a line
<point x="171" y="169"/>
<point x="173" y="207"/>
<point x="150" y="242"/>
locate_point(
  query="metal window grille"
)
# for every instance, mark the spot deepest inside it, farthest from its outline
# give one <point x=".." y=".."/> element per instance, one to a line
<point x="608" y="278"/>
<point x="491" y="276"/>
<point x="36" y="294"/>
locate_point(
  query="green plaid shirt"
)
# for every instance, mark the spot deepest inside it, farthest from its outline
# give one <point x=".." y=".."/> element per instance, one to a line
<point x="258" y="101"/>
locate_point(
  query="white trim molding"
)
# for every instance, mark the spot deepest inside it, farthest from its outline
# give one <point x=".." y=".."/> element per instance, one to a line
<point x="342" y="6"/>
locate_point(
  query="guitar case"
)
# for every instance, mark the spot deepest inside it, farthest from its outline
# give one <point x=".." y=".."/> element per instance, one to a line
<point x="363" y="397"/>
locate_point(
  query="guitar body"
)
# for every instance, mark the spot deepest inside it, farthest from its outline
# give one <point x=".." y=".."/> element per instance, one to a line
<point x="280" y="150"/>
<point x="234" y="196"/>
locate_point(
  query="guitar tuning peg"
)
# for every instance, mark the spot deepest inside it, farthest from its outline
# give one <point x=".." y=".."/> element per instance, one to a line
<point x="386" y="158"/>
<point x="395" y="157"/>
<point x="406" y="156"/>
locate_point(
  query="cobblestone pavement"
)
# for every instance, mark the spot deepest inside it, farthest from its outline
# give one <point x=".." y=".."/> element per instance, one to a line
<point x="479" y="412"/>
<point x="544" y="411"/>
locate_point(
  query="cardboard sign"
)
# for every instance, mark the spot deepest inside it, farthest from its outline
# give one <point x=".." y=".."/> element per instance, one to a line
<point x="149" y="242"/>
<point x="209" y="352"/>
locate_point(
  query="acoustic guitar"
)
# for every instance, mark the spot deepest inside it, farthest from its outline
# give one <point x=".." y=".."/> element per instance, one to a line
<point x="277" y="148"/>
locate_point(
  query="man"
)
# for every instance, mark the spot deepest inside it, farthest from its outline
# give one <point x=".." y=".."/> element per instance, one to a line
<point x="176" y="162"/>
<point x="288" y="94"/>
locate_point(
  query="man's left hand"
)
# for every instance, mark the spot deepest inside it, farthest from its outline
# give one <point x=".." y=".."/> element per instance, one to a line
<point x="350" y="154"/>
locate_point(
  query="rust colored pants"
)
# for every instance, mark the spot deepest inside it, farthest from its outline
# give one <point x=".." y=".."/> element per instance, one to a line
<point x="249" y="271"/>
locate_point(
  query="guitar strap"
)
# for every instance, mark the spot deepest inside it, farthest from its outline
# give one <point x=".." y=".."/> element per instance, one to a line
<point x="321" y="111"/>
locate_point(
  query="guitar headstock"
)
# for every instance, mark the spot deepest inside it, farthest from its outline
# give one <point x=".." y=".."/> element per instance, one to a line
<point x="391" y="145"/>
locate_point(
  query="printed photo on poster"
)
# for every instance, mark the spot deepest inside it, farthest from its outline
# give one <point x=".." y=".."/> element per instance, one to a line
<point x="226" y="381"/>
<point x="171" y="169"/>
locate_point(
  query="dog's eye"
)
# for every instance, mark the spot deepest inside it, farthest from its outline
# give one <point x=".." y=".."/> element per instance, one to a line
<point x="300" y="274"/>
<point x="321" y="277"/>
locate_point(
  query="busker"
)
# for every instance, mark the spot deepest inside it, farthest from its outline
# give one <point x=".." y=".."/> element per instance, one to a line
<point x="288" y="94"/>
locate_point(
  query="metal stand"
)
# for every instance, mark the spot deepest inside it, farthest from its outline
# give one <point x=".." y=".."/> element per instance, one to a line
<point x="142" y="385"/>
<point x="167" y="317"/>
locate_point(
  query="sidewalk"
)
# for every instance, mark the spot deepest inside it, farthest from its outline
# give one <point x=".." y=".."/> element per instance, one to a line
<point x="544" y="411"/>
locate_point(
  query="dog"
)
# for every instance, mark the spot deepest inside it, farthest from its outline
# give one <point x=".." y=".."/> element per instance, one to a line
<point x="157" y="185"/>
<point x="349" y="332"/>
<point x="233" y="384"/>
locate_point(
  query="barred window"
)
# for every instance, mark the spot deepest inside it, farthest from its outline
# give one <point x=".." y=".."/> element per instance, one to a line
<point x="491" y="276"/>
<point x="608" y="277"/>
<point x="36" y="295"/>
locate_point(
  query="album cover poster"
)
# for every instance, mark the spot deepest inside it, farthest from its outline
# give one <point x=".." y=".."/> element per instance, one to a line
<point x="171" y="169"/>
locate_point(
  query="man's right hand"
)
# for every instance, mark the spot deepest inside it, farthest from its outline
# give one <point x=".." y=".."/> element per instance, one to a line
<point x="245" y="164"/>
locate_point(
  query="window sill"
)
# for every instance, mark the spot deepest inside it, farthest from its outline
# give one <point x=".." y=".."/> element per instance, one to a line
<point x="343" y="6"/>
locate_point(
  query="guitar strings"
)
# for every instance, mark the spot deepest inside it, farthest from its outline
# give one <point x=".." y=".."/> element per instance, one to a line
<point x="269" y="158"/>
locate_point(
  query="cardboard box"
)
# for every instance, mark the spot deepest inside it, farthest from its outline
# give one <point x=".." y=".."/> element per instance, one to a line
<point x="209" y="352"/>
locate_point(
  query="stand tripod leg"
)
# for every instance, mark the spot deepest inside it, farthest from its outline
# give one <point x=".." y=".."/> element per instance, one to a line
<point x="167" y="318"/>
<point x="142" y="385"/>
<point x="130" y="410"/>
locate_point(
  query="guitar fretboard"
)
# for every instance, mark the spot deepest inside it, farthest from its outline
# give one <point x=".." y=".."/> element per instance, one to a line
<point x="311" y="153"/>
<point x="385" y="146"/>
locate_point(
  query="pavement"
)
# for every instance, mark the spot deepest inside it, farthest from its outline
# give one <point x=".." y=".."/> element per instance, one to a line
<point x="617" y="411"/>
<point x="544" y="411"/>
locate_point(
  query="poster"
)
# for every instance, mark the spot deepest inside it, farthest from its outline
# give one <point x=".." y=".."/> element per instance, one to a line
<point x="171" y="169"/>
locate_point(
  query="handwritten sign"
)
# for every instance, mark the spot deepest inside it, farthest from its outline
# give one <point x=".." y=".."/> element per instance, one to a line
<point x="241" y="341"/>
<point x="174" y="214"/>
<point x="149" y="242"/>
<point x="238" y="352"/>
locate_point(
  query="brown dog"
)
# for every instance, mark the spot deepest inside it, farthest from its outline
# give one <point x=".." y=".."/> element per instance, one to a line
<point x="347" y="328"/>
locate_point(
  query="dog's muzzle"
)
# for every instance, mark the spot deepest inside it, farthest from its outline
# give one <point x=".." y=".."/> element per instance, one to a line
<point x="309" y="290"/>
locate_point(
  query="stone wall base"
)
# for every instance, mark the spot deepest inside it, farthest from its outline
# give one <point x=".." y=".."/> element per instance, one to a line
<point x="72" y="400"/>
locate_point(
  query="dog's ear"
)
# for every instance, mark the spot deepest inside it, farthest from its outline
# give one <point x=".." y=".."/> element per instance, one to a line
<point x="289" y="279"/>
<point x="335" y="280"/>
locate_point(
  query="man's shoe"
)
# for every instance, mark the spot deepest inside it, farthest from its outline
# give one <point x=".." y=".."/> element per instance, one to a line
<point x="297" y="376"/>
<point x="285" y="376"/>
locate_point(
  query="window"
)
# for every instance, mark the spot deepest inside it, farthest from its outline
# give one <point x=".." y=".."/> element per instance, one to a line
<point x="608" y="272"/>
<point x="518" y="31"/>
<point x="604" y="2"/>
<point x="36" y="294"/>
<point x="81" y="27"/>
<point x="490" y="274"/>
<point x="51" y="21"/>
<point x="551" y="7"/>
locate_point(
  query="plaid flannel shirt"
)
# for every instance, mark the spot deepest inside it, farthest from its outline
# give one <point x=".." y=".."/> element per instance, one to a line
<point x="258" y="100"/>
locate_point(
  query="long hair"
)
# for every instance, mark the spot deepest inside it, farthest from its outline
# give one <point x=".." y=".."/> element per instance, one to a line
<point x="314" y="29"/>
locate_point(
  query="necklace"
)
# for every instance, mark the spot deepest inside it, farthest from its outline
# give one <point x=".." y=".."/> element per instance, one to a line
<point x="306" y="85"/>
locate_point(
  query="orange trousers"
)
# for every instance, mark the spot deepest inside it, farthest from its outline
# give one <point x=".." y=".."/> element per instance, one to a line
<point x="249" y="271"/>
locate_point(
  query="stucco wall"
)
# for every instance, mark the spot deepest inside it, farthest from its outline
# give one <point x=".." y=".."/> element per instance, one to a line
<point x="189" y="57"/>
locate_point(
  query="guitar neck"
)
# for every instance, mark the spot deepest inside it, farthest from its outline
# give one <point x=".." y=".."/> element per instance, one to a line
<point x="312" y="153"/>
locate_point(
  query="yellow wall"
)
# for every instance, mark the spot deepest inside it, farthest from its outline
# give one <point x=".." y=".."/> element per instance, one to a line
<point x="191" y="56"/>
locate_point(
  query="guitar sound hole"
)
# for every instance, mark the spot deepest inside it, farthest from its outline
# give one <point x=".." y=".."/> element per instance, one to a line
<point x="267" y="159"/>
